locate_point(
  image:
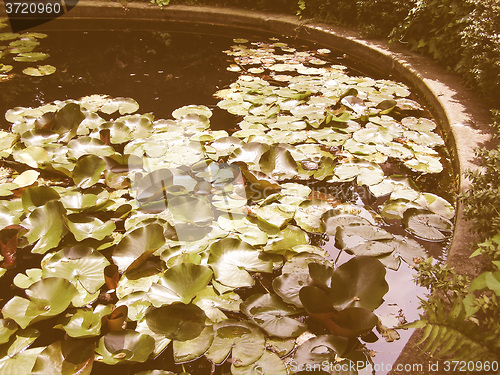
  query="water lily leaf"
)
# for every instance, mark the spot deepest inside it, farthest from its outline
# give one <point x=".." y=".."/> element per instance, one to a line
<point x="47" y="297"/>
<point x="268" y="364"/>
<point x="189" y="350"/>
<point x="273" y="315"/>
<point x="7" y="329"/>
<point x="136" y="246"/>
<point x="334" y="219"/>
<point x="395" y="209"/>
<point x="88" y="146"/>
<point x="420" y="124"/>
<point x="31" y="56"/>
<point x="322" y="349"/>
<point x="180" y="283"/>
<point x="409" y="250"/>
<point x="289" y="237"/>
<point x="86" y="322"/>
<point x="122" y="105"/>
<point x="249" y="153"/>
<point x="428" y="226"/>
<point x="26" y="178"/>
<point x="34" y="156"/>
<point x="242" y="340"/>
<point x="232" y="259"/>
<point x="352" y="322"/>
<point x="309" y="213"/>
<point x="177" y="321"/>
<point x="359" y="283"/>
<point x="191" y="209"/>
<point x="38" y="196"/>
<point x="25" y="281"/>
<point x="350" y="236"/>
<point x="200" y="110"/>
<point x="425" y="163"/>
<point x="87" y="226"/>
<point x="436" y="204"/>
<point x="288" y="286"/>
<point x="40" y="71"/>
<point x="214" y="304"/>
<point x="278" y="161"/>
<point x="88" y="170"/>
<point x="78" y="264"/>
<point x="124" y="346"/>
<point x="16" y="358"/>
<point x="46" y="226"/>
<point x="65" y="357"/>
<point x="273" y="214"/>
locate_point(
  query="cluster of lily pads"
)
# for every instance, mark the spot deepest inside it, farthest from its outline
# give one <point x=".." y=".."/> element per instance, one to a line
<point x="20" y="48"/>
<point x="152" y="234"/>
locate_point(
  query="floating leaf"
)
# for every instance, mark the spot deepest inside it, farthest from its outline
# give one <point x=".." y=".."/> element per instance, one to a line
<point x="427" y="226"/>
<point x="231" y="261"/>
<point x="77" y="264"/>
<point x="274" y="316"/>
<point x="47" y="298"/>
<point x="86" y="322"/>
<point x="177" y="321"/>
<point x="189" y="350"/>
<point x="40" y="71"/>
<point x="65" y="357"/>
<point x="180" y="283"/>
<point x="46" y="226"/>
<point x="137" y="246"/>
<point x="359" y="282"/>
<point x="88" y="170"/>
<point x="268" y="364"/>
<point x="124" y="346"/>
<point x="31" y="57"/>
<point x="243" y="341"/>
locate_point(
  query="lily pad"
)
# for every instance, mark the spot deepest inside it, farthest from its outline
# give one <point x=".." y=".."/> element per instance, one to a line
<point x="231" y="261"/>
<point x="47" y="298"/>
<point x="124" y="346"/>
<point x="137" y="246"/>
<point x="243" y="341"/>
<point x="40" y="71"/>
<point x="274" y="316"/>
<point x="177" y="321"/>
<point x="428" y="226"/>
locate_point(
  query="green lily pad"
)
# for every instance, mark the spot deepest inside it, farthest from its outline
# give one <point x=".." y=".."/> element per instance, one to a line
<point x="65" y="357"/>
<point x="180" y="283"/>
<point x="322" y="349"/>
<point x="137" y="245"/>
<point x="86" y="322"/>
<point x="16" y="357"/>
<point x="309" y="213"/>
<point x="214" y="304"/>
<point x="189" y="350"/>
<point x="359" y="283"/>
<point x="7" y="329"/>
<point x="31" y="56"/>
<point x="243" y="341"/>
<point x="45" y="226"/>
<point x="274" y="316"/>
<point x="88" y="170"/>
<point x="25" y="281"/>
<point x="268" y="364"/>
<point x="427" y="226"/>
<point x="124" y="346"/>
<point x="78" y="264"/>
<point x="40" y="71"/>
<point x="231" y="261"/>
<point x="47" y="298"/>
<point x="87" y="226"/>
<point x="177" y="321"/>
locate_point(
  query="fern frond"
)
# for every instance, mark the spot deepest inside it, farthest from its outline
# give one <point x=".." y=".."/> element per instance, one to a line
<point x="448" y="334"/>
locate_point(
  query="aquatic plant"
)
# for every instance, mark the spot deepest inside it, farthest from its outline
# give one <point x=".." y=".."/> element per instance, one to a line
<point x="166" y="233"/>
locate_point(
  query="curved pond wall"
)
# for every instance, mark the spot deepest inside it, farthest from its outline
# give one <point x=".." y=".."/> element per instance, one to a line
<point x="461" y="116"/>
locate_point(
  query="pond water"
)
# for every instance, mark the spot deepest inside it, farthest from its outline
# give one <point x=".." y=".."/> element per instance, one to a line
<point x="261" y="155"/>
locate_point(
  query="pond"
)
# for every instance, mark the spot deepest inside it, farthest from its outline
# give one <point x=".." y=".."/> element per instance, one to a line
<point x="210" y="203"/>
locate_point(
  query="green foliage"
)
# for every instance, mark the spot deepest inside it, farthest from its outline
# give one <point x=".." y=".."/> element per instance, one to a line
<point x="482" y="200"/>
<point x="462" y="35"/>
<point x="447" y="333"/>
